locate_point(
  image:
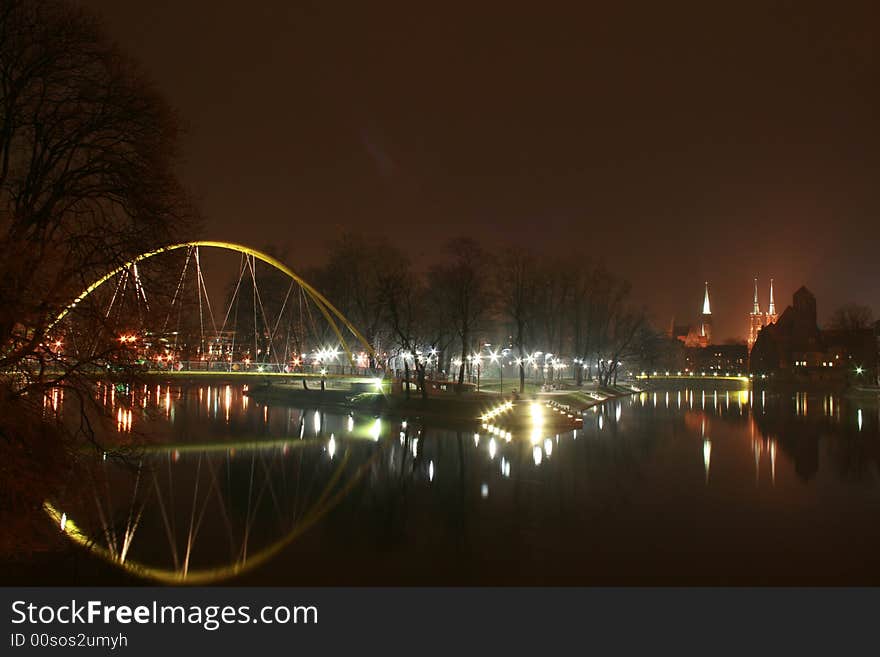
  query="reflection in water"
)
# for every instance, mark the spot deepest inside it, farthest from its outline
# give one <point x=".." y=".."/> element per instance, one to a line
<point x="205" y="485"/>
<point x="707" y="456"/>
<point x="203" y="514"/>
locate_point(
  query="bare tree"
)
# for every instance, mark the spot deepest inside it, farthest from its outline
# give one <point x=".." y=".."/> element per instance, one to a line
<point x="555" y="301"/>
<point x="463" y="292"/>
<point x="87" y="181"/>
<point x="851" y="317"/>
<point x="580" y="314"/>
<point x="518" y="282"/>
<point x="87" y="157"/>
<point x="353" y="278"/>
<point x="621" y="341"/>
<point x="404" y="300"/>
<point x="599" y="295"/>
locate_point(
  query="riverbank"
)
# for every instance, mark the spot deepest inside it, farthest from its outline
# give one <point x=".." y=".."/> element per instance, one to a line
<point x="441" y="410"/>
<point x="578" y="400"/>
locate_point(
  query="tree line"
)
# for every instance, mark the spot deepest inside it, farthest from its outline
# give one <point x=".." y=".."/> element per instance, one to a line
<point x="567" y="308"/>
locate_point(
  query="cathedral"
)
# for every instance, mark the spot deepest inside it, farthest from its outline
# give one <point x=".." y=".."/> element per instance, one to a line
<point x="696" y="335"/>
<point x="757" y="319"/>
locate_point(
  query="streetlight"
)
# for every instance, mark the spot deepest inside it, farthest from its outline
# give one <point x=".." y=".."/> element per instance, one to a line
<point x="533" y="361"/>
<point x="493" y="357"/>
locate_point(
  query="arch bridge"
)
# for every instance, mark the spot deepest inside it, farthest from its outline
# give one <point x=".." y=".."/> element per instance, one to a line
<point x="189" y="309"/>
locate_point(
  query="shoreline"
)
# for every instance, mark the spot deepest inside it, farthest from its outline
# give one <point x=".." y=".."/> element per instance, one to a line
<point x="452" y="410"/>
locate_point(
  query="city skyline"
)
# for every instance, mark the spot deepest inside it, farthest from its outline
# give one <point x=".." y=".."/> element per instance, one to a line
<point x="344" y="295"/>
<point x="744" y="159"/>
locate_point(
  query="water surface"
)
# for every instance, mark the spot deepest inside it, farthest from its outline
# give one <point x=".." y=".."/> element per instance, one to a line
<point x="674" y="486"/>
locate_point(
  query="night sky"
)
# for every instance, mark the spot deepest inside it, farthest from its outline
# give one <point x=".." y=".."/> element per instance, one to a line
<point x="681" y="142"/>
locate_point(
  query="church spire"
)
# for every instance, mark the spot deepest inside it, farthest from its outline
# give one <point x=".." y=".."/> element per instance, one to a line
<point x="706" y="309"/>
<point x="756" y="309"/>
<point x="772" y="309"/>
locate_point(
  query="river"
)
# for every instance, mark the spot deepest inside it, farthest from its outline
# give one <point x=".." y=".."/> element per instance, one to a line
<point x="678" y="486"/>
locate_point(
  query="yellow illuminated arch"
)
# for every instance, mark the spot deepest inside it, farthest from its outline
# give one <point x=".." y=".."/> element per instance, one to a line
<point x="325" y="503"/>
<point x="326" y="308"/>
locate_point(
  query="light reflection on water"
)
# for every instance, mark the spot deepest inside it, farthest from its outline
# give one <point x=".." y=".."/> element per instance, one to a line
<point x="657" y="485"/>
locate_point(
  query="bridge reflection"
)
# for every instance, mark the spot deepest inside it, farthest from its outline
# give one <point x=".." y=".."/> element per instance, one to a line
<point x="233" y="485"/>
<point x="206" y="512"/>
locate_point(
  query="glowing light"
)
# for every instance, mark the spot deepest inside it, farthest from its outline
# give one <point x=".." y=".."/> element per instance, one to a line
<point x="123" y="420"/>
<point x="484" y="491"/>
<point x="548" y="447"/>
<point x="376" y="431"/>
<point x="493" y="448"/>
<point x="773" y="462"/>
<point x="537" y="455"/>
<point x="331" y="446"/>
<point x="536" y="435"/>
<point x="537" y="413"/>
<point x="707" y="456"/>
<point x="860" y="419"/>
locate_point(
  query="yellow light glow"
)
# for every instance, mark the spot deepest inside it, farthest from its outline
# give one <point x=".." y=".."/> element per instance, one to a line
<point x="328" y="310"/>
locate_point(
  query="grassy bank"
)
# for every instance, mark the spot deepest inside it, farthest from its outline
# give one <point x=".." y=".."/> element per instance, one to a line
<point x="580" y="399"/>
<point x="441" y="410"/>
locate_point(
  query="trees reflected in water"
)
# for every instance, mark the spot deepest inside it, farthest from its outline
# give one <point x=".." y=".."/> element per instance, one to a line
<point x="325" y="488"/>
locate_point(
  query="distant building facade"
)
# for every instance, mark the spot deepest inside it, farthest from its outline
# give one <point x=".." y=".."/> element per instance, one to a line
<point x="691" y="349"/>
<point x="794" y="350"/>
<point x="757" y="319"/>
<point x="719" y="359"/>
<point x="699" y="335"/>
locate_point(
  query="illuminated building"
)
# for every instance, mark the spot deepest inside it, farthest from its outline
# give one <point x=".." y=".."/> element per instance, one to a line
<point x="771" y="316"/>
<point x="696" y="336"/>
<point x="757" y="319"/>
<point x="706" y="318"/>
<point x="795" y="350"/>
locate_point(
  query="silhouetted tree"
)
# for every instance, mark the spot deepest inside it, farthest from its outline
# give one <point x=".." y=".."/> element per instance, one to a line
<point x="518" y="282"/>
<point x="463" y="291"/>
<point x="352" y="280"/>
<point x="87" y="181"/>
<point x="87" y="157"/>
<point x="408" y="314"/>
<point x="851" y="317"/>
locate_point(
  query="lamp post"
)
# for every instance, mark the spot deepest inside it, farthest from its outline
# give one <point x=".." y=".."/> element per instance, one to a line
<point x="493" y="357"/>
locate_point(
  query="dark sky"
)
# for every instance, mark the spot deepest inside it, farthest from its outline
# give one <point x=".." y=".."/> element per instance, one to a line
<point x="682" y="142"/>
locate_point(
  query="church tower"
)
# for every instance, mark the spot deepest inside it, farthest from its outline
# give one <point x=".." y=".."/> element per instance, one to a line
<point x="756" y="317"/>
<point x="706" y="318"/>
<point x="771" y="316"/>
